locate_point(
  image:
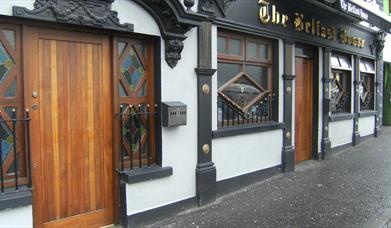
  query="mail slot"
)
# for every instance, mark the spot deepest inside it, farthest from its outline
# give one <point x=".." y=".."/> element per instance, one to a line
<point x="174" y="114"/>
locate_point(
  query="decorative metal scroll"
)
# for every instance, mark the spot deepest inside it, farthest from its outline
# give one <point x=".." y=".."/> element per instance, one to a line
<point x="208" y="6"/>
<point x="93" y="13"/>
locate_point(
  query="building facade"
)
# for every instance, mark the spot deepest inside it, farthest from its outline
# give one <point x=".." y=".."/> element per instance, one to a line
<point x="124" y="111"/>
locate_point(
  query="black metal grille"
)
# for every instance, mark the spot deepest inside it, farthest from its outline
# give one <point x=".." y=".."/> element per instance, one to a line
<point x="15" y="173"/>
<point x="229" y="114"/>
<point x="136" y="123"/>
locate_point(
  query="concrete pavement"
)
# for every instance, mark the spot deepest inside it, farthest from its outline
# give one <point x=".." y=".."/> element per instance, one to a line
<point x="351" y="188"/>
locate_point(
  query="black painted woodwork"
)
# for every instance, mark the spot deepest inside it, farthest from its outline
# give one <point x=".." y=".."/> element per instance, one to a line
<point x="356" y="95"/>
<point x="249" y="22"/>
<point x="96" y="13"/>
<point x="288" y="153"/>
<point x="15" y="199"/>
<point x="205" y="170"/>
<point x="379" y="46"/>
<point x="326" y="143"/>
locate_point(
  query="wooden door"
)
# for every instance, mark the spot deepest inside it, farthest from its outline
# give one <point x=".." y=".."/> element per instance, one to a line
<point x="304" y="109"/>
<point x="69" y="92"/>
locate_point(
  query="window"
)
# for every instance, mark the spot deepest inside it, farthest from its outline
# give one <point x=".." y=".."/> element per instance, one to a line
<point x="367" y="85"/>
<point x="341" y="84"/>
<point x="137" y="102"/>
<point x="244" y="78"/>
<point x="13" y="162"/>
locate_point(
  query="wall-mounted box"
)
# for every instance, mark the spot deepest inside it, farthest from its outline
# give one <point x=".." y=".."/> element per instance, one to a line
<point x="174" y="114"/>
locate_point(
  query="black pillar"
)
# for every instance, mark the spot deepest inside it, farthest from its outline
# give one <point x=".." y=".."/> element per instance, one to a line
<point x="326" y="144"/>
<point x="379" y="45"/>
<point x="205" y="170"/>
<point x="288" y="153"/>
<point x="356" y="91"/>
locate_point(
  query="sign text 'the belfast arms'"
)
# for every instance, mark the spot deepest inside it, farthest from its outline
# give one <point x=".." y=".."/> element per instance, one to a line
<point x="269" y="14"/>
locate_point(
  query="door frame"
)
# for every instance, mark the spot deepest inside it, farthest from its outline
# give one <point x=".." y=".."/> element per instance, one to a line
<point x="315" y="96"/>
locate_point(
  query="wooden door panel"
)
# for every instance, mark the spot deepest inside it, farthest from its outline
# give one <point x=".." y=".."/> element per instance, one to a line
<point x="304" y="109"/>
<point x="74" y="120"/>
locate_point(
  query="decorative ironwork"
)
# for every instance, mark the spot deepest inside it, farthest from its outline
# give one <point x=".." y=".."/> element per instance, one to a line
<point x="229" y="114"/>
<point x="135" y="125"/>
<point x="94" y="13"/>
<point x="173" y="23"/>
<point x="224" y="4"/>
<point x="14" y="141"/>
<point x="206" y="6"/>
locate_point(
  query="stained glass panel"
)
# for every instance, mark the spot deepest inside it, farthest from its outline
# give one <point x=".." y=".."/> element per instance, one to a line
<point x="132" y="70"/>
<point x="10" y="35"/>
<point x="6" y="63"/>
<point x="6" y="140"/>
<point x="143" y="90"/>
<point x="122" y="92"/>
<point x="10" y="112"/>
<point x="11" y="90"/>
<point x="121" y="47"/>
<point x="134" y="131"/>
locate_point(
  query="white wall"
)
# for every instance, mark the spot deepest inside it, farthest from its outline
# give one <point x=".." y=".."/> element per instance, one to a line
<point x="238" y="155"/>
<point x="179" y="144"/>
<point x="21" y="217"/>
<point x="320" y="100"/>
<point x="366" y="125"/>
<point x="387" y="49"/>
<point x="340" y="132"/>
<point x="6" y="5"/>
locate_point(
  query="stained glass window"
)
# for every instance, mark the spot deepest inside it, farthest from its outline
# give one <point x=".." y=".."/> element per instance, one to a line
<point x="10" y="36"/>
<point x="6" y="63"/>
<point x="11" y="90"/>
<point x="136" y="96"/>
<point x="132" y="69"/>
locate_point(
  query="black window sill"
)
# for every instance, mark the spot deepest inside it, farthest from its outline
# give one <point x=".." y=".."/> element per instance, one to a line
<point x="367" y="113"/>
<point x="341" y="116"/>
<point x="144" y="174"/>
<point x="14" y="199"/>
<point x="245" y="129"/>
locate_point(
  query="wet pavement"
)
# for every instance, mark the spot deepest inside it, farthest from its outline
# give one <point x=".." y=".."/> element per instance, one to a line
<point x="351" y="188"/>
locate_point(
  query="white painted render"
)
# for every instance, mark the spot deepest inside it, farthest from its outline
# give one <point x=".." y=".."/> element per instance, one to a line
<point x="238" y="155"/>
<point x="366" y="125"/>
<point x="320" y="100"/>
<point x="21" y="217"/>
<point x="6" y="5"/>
<point x="180" y="143"/>
<point x="340" y="132"/>
<point x="387" y="49"/>
<point x="214" y="78"/>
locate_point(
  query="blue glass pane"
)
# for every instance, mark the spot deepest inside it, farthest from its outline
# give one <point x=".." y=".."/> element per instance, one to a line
<point x="11" y="90"/>
<point x="6" y="63"/>
<point x="6" y="140"/>
<point x="10" y="35"/>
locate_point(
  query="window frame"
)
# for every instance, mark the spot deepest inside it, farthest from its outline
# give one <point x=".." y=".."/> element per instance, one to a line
<point x="371" y="74"/>
<point x="243" y="61"/>
<point x="346" y="74"/>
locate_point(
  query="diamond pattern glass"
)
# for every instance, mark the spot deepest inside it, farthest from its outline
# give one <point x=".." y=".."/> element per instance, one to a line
<point x="132" y="70"/>
<point x="6" y="63"/>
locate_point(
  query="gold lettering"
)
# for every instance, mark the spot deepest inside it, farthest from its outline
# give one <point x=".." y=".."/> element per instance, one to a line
<point x="284" y="20"/>
<point x="318" y="28"/>
<point x="362" y="43"/>
<point x="275" y="15"/>
<point x="307" y="26"/>
<point x="264" y="14"/>
<point x="323" y="32"/>
<point x="298" y="22"/>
